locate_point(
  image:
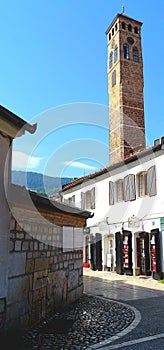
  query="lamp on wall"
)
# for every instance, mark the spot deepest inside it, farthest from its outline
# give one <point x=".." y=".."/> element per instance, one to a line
<point x="107" y="220"/>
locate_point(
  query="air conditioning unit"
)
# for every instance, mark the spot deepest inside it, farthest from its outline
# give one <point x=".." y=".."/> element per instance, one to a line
<point x="159" y="141"/>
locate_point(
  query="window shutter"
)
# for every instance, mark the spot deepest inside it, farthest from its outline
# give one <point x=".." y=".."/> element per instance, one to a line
<point x="132" y="187"/>
<point x="93" y="198"/>
<point x="82" y="200"/>
<point x="151" y="181"/>
<point x="126" y="189"/>
<point x="111" y="193"/>
<point x="67" y="238"/>
<point x="78" y="238"/>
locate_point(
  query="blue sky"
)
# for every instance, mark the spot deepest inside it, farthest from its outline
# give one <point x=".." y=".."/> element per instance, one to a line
<point x="54" y="54"/>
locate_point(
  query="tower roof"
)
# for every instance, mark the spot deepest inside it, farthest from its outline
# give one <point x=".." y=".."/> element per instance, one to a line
<point x="123" y="16"/>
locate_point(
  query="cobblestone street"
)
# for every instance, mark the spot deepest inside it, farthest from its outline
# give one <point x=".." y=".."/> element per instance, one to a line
<point x="96" y="320"/>
<point x="87" y="322"/>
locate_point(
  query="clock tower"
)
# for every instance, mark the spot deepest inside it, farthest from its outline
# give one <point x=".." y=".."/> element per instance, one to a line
<point x="125" y="88"/>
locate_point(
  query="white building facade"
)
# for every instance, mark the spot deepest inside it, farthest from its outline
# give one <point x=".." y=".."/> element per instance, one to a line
<point x="126" y="232"/>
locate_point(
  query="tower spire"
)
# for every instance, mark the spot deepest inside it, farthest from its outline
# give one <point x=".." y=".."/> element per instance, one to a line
<point x="123" y="9"/>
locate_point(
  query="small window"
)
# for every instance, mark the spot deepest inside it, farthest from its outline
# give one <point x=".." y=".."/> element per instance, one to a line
<point x="135" y="54"/>
<point x="142" y="184"/>
<point x="136" y="30"/>
<point x="123" y="25"/>
<point x="126" y="51"/>
<point x="109" y="36"/>
<point x="119" y="191"/>
<point x="111" y="59"/>
<point x="129" y="27"/>
<point x="116" y="53"/>
<point x="116" y="27"/>
<point x="88" y="199"/>
<point x="112" y="31"/>
<point x="71" y="200"/>
<point x="114" y="78"/>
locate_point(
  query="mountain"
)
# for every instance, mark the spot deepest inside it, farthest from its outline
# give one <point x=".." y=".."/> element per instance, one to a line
<point x="42" y="184"/>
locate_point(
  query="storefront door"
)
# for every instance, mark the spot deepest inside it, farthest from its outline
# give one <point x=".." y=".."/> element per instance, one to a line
<point x="143" y="253"/>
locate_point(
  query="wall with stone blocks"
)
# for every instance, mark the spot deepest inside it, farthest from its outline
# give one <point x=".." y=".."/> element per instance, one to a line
<point x="41" y="276"/>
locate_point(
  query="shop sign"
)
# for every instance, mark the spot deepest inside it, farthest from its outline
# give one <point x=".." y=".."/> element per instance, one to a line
<point x="86" y="230"/>
<point x="103" y="226"/>
<point x="133" y="221"/>
<point x="162" y="224"/>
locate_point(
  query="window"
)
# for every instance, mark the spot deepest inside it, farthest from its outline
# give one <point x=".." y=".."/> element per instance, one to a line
<point x="71" y="200"/>
<point x="88" y="199"/>
<point x="123" y="25"/>
<point x="114" y="78"/>
<point x="135" y="54"/>
<point x="112" y="31"/>
<point x="109" y="36"/>
<point x="136" y="30"/>
<point x="119" y="191"/>
<point x="126" y="51"/>
<point x="142" y="184"/>
<point x="111" y="59"/>
<point x="116" y="53"/>
<point x="116" y="27"/>
<point x="129" y="27"/>
<point x="111" y="193"/>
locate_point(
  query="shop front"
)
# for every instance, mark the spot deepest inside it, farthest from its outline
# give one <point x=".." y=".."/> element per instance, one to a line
<point x="148" y="254"/>
<point x="123" y="241"/>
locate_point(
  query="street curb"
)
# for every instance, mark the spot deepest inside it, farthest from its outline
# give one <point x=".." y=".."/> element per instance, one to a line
<point x="133" y="325"/>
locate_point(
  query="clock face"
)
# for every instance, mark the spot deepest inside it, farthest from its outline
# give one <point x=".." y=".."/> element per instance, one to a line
<point x="130" y="40"/>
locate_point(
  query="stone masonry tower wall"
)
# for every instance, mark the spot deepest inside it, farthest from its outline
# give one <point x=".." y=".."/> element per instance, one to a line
<point x="125" y="88"/>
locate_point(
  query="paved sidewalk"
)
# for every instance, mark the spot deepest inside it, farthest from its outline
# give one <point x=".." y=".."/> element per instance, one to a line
<point x="121" y="287"/>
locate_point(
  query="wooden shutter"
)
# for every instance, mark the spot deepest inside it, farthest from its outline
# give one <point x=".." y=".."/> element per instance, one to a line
<point x="132" y="187"/>
<point x="151" y="181"/>
<point x="126" y="189"/>
<point x="111" y="193"/>
<point x="78" y="238"/>
<point x="93" y="198"/>
<point x="67" y="238"/>
<point x="82" y="200"/>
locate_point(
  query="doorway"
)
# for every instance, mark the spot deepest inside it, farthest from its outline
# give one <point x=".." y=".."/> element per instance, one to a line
<point x="143" y="253"/>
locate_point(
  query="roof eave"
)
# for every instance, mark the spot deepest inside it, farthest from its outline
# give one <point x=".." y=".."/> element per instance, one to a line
<point x="12" y="125"/>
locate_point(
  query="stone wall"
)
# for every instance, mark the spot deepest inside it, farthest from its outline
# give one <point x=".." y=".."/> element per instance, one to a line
<point x="41" y="276"/>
